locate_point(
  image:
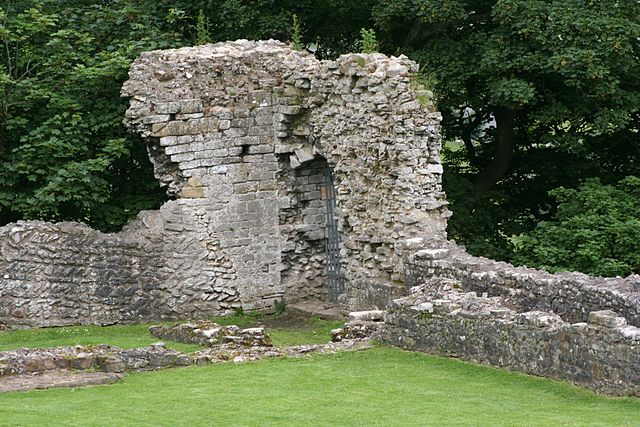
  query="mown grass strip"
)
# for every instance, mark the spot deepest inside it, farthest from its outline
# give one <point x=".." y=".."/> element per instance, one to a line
<point x="383" y="386"/>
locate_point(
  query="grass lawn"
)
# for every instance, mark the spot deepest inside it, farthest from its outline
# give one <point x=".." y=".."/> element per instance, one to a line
<point x="125" y="336"/>
<point x="312" y="331"/>
<point x="382" y="386"/>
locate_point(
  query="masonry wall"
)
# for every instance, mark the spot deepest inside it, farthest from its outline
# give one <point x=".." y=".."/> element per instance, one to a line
<point x="302" y="225"/>
<point x="384" y="145"/>
<point x="570" y="295"/>
<point x="241" y="134"/>
<point x="568" y="325"/>
<point x="67" y="273"/>
<point x="602" y="354"/>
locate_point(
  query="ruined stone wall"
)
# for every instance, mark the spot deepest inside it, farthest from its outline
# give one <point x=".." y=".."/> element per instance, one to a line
<point x="302" y="224"/>
<point x="67" y="273"/>
<point x="570" y="295"/>
<point x="567" y="325"/>
<point x="602" y="353"/>
<point x="286" y="112"/>
<point x="242" y="133"/>
<point x="384" y="146"/>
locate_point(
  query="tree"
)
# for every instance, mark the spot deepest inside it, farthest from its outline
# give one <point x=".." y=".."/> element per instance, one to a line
<point x="65" y="154"/>
<point x="330" y="27"/>
<point x="596" y="230"/>
<point x="541" y="94"/>
<point x="545" y="72"/>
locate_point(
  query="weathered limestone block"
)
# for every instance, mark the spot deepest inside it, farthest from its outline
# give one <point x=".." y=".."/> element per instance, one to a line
<point x="362" y="325"/>
<point x="369" y="315"/>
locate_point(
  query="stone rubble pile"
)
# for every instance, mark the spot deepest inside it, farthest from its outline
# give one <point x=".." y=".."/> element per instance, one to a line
<point x="212" y="334"/>
<point x="362" y="325"/>
<point x="102" y="357"/>
<point x="225" y="344"/>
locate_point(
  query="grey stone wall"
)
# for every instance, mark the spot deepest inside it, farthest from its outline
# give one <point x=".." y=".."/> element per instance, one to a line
<point x="602" y="354"/>
<point x="567" y="325"/>
<point x="570" y="295"/>
<point x="241" y="134"/>
<point x="67" y="273"/>
<point x="384" y="148"/>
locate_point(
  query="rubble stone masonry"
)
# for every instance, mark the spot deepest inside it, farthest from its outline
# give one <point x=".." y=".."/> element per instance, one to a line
<point x="242" y="134"/>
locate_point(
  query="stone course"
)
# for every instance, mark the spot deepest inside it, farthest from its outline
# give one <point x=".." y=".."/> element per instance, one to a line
<point x="242" y="134"/>
<point x="572" y="296"/>
<point x="56" y="379"/>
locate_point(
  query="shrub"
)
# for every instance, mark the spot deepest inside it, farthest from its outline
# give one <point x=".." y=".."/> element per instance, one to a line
<point x="596" y="230"/>
<point x="296" y="34"/>
<point x="368" y="41"/>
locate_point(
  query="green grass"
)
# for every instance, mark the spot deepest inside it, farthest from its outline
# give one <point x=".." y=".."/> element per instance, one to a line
<point x="124" y="336"/>
<point x="315" y="331"/>
<point x="383" y="386"/>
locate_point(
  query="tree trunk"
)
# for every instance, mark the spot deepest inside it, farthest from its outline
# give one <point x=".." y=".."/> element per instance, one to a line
<point x="503" y="155"/>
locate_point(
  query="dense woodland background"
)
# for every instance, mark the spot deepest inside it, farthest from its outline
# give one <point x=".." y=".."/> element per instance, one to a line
<point x="540" y="99"/>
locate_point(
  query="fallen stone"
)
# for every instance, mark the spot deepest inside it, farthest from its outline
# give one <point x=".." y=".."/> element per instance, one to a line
<point x="370" y="315"/>
<point x="210" y="334"/>
<point x="607" y="318"/>
<point x="55" y="379"/>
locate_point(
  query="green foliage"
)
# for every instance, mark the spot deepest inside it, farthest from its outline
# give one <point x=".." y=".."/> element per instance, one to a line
<point x="596" y="230"/>
<point x="202" y="29"/>
<point x="64" y="152"/>
<point x="368" y="41"/>
<point x="475" y="226"/>
<point x="280" y="305"/>
<point x="332" y="27"/>
<point x="422" y="85"/>
<point x="296" y="34"/>
<point x="541" y="94"/>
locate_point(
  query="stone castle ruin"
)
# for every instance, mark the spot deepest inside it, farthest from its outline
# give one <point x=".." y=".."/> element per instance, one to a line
<point x="296" y="179"/>
<point x="251" y="139"/>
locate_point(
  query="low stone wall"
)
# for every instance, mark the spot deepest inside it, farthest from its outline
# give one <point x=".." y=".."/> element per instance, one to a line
<point x="603" y="354"/>
<point x="100" y="357"/>
<point x="570" y="295"/>
<point x="114" y="359"/>
<point x="68" y="273"/>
